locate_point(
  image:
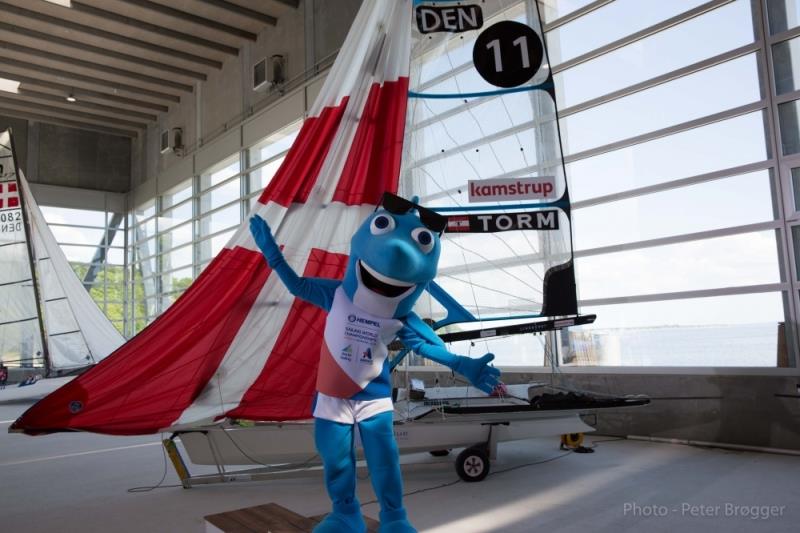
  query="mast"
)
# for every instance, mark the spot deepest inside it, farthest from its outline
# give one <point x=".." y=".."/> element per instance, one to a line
<point x="32" y="263"/>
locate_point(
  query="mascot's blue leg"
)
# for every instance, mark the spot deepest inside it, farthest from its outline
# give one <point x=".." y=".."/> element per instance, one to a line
<point x="383" y="460"/>
<point x="335" y="445"/>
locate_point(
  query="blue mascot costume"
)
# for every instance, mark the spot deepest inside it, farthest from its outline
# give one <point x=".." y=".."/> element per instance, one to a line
<point x="393" y="257"/>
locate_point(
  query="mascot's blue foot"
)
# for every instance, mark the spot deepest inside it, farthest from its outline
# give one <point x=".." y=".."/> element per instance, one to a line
<point x="343" y="519"/>
<point x="395" y="522"/>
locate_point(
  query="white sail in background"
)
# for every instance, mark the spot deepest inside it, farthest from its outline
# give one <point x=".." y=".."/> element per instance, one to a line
<point x="76" y="331"/>
<point x="20" y="334"/>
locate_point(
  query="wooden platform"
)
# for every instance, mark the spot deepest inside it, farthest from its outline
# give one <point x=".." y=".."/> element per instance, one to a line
<point x="271" y="518"/>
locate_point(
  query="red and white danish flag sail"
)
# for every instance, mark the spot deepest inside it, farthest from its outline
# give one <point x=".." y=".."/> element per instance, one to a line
<point x="9" y="196"/>
<point x="237" y="344"/>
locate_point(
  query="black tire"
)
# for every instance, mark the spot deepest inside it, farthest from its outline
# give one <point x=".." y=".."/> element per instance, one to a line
<point x="472" y="464"/>
<point x="439" y="453"/>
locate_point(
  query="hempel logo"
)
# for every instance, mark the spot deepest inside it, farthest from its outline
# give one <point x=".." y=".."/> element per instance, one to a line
<point x="365" y="321"/>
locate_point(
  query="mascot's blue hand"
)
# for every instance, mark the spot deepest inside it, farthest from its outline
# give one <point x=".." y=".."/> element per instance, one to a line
<point x="479" y="373"/>
<point x="263" y="237"/>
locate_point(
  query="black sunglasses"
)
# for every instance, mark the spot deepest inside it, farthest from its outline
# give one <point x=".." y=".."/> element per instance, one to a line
<point x="400" y="206"/>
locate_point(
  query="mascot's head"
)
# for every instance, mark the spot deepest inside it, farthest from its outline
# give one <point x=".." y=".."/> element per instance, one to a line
<point x="393" y="257"/>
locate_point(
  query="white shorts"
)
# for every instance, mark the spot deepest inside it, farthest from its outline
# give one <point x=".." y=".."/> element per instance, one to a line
<point x="349" y="411"/>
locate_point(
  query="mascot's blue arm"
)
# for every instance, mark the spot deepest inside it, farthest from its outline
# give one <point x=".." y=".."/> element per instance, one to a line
<point x="318" y="291"/>
<point x="418" y="336"/>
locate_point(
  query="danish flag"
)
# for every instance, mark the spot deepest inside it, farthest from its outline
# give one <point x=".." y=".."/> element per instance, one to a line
<point x="9" y="197"/>
<point x="458" y="223"/>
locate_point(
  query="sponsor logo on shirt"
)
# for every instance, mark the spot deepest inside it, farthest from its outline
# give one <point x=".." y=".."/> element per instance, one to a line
<point x="353" y="319"/>
<point x="366" y="356"/>
<point x="347" y="353"/>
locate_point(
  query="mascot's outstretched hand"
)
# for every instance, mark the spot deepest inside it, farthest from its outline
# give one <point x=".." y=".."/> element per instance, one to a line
<point x="478" y="372"/>
<point x="264" y="239"/>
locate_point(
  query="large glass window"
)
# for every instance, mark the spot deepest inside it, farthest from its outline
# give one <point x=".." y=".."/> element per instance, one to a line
<point x="707" y="206"/>
<point x="783" y="15"/>
<point x="790" y="127"/>
<point x="687" y="43"/>
<point x="725" y="144"/>
<point x="679" y="232"/>
<point x="610" y="23"/>
<point x="93" y="242"/>
<point x="736" y="330"/>
<point x="220" y="172"/>
<point x="265" y="158"/>
<point x="730" y="84"/>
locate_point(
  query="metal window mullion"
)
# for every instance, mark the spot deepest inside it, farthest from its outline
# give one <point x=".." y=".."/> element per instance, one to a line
<point x="664" y="132"/>
<point x="195" y="223"/>
<point x="641" y="34"/>
<point x="674" y="184"/>
<point x="625" y="143"/>
<point x="217" y="209"/>
<point x="266" y="162"/>
<point x="787" y="35"/>
<point x="678" y="239"/>
<point x="526" y="259"/>
<point x="222" y="183"/>
<point x="782" y="181"/>
<point x="684" y="295"/>
<point x="65" y="225"/>
<point x="127" y="293"/>
<point x="661" y="79"/>
<point x="608" y="97"/>
<point x="578" y="13"/>
<point x="244" y="186"/>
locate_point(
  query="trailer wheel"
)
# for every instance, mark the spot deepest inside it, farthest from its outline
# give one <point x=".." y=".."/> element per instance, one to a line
<point x="473" y="464"/>
<point x="439" y="453"/>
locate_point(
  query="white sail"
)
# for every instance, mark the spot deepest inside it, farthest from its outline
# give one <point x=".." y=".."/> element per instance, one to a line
<point x="76" y="332"/>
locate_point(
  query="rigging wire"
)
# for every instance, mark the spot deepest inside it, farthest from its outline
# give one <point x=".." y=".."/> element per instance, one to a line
<point x="510" y="295"/>
<point x="160" y="484"/>
<point x="502" y="209"/>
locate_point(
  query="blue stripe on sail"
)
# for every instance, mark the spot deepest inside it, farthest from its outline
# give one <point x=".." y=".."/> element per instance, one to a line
<point x="562" y="204"/>
<point x="542" y="86"/>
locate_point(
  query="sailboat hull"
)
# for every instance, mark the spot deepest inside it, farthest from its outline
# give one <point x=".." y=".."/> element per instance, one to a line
<point x="274" y="444"/>
<point x="446" y="418"/>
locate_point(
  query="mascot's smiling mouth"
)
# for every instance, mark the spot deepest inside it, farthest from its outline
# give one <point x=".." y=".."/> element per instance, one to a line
<point x="383" y="285"/>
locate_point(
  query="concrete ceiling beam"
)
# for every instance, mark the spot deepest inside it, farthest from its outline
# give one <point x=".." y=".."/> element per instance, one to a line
<point x="159" y="30"/>
<point x="10" y="100"/>
<point x="66" y="122"/>
<point x="81" y="91"/>
<point x="39" y="96"/>
<point x="96" y="32"/>
<point x="101" y="82"/>
<point x="196" y="19"/>
<point x="241" y="10"/>
<point x="58" y="58"/>
<point x="48" y="38"/>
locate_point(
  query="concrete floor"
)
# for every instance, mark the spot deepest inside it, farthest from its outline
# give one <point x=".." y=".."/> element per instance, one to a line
<point x="80" y="482"/>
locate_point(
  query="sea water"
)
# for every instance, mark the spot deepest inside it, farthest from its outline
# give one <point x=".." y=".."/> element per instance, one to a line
<point x="722" y="345"/>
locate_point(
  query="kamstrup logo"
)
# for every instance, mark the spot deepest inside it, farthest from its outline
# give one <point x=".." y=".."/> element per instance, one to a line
<point x="367" y="322"/>
<point x="512" y="189"/>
